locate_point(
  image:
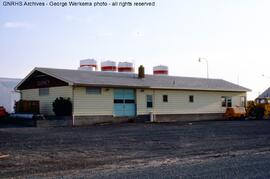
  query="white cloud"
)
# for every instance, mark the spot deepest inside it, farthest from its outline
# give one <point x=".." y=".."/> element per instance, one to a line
<point x="17" y="24"/>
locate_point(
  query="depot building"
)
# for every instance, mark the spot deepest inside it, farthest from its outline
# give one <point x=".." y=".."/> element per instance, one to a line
<point x="116" y="93"/>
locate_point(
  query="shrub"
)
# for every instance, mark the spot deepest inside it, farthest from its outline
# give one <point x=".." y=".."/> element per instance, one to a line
<point x="62" y="107"/>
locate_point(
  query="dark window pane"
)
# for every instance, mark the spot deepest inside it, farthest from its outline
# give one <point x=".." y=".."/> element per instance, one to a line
<point x="165" y="98"/>
<point x="129" y="101"/>
<point x="119" y="101"/>
<point x="191" y="99"/>
<point x="149" y="101"/>
<point x="43" y="91"/>
<point x="229" y="102"/>
<point x="149" y="104"/>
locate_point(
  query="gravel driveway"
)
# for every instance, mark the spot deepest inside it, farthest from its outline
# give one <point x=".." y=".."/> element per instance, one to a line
<point x="217" y="149"/>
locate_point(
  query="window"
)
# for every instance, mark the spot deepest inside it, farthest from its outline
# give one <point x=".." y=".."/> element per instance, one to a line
<point x="165" y="98"/>
<point x="223" y="101"/>
<point x="149" y="101"/>
<point x="226" y="101"/>
<point x="129" y="101"/>
<point x="91" y="90"/>
<point x="43" y="92"/>
<point x="229" y="102"/>
<point x="191" y="98"/>
<point x="243" y="101"/>
<point x="118" y="101"/>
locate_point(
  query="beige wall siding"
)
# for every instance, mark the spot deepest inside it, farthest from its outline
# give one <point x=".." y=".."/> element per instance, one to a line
<point x="46" y="101"/>
<point x="93" y="104"/>
<point x="178" y="101"/>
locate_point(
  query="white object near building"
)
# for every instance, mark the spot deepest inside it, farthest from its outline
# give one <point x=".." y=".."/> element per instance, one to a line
<point x="161" y="70"/>
<point x="126" y="67"/>
<point x="8" y="96"/>
<point x="108" y="66"/>
<point x="88" y="64"/>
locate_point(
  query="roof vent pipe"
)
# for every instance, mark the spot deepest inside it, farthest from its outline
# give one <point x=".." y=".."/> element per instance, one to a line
<point x="141" y="73"/>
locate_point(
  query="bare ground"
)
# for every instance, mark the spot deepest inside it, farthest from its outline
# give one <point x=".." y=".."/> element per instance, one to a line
<point x="225" y="149"/>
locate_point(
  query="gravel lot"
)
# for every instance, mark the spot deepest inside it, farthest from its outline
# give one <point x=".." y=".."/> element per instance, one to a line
<point x="221" y="149"/>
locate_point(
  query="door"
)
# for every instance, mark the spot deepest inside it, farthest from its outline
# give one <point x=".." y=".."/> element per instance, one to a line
<point x="124" y="102"/>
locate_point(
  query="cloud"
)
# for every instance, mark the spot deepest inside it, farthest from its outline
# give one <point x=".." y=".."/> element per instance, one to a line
<point x="18" y="25"/>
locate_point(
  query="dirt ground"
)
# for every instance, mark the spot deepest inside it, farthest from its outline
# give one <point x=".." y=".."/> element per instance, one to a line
<point x="225" y="149"/>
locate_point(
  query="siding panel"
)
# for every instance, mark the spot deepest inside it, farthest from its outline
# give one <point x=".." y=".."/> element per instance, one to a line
<point x="93" y="104"/>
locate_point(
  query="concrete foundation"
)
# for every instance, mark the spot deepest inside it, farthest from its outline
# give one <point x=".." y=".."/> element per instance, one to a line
<point x="188" y="117"/>
<point x="91" y="120"/>
<point x="62" y="121"/>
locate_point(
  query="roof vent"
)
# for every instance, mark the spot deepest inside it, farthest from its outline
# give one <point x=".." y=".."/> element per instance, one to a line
<point x="141" y="73"/>
<point x="108" y="66"/>
<point x="88" y="64"/>
<point x="127" y="67"/>
<point x="161" y="70"/>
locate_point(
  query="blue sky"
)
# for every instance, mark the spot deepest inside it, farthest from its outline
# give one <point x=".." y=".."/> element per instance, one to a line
<point x="232" y="34"/>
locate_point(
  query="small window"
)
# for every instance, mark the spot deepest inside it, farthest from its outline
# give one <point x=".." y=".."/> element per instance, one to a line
<point x="226" y="101"/>
<point x="229" y="102"/>
<point x="149" y="101"/>
<point x="118" y="101"/>
<point x="129" y="101"/>
<point x="191" y="98"/>
<point x="243" y="101"/>
<point x="165" y="98"/>
<point x="223" y="101"/>
<point x="43" y="91"/>
<point x="91" y="90"/>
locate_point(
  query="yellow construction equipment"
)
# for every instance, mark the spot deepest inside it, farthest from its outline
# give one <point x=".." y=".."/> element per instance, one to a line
<point x="260" y="108"/>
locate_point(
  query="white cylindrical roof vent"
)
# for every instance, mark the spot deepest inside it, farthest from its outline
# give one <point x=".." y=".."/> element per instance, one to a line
<point x="125" y="67"/>
<point x="89" y="63"/>
<point x="86" y="68"/>
<point x="161" y="70"/>
<point x="108" y="66"/>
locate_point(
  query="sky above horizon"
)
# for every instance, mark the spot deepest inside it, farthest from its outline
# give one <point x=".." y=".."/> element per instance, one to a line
<point x="233" y="35"/>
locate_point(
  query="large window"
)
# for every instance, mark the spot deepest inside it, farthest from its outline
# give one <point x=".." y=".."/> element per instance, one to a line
<point x="93" y="90"/>
<point x="243" y="101"/>
<point x="44" y="92"/>
<point x="149" y="101"/>
<point x="226" y="101"/>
